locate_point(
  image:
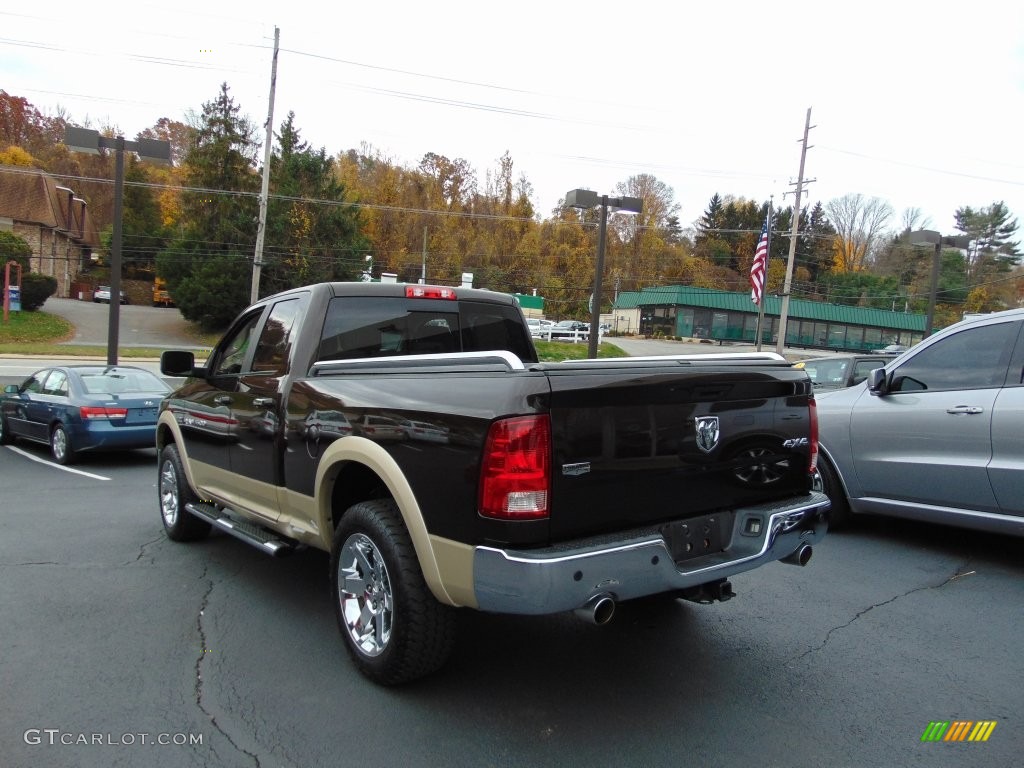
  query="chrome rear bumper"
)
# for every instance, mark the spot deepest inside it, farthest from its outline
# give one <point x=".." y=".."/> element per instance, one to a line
<point x="639" y="563"/>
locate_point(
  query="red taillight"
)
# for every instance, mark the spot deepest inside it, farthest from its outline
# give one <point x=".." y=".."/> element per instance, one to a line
<point x="429" y="292"/>
<point x="813" y="453"/>
<point x="102" y="412"/>
<point x="515" y="475"/>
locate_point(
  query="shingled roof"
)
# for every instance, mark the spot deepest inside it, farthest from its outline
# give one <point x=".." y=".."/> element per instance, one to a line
<point x="31" y="196"/>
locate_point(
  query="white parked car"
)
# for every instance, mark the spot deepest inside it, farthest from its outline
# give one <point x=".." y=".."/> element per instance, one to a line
<point x="102" y="295"/>
<point x="539" y="328"/>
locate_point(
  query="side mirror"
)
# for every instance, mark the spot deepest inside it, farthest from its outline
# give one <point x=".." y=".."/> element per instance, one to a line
<point x="877" y="383"/>
<point x="176" y="362"/>
<point x="11" y="389"/>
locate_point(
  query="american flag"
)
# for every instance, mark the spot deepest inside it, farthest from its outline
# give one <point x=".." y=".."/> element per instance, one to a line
<point x="757" y="269"/>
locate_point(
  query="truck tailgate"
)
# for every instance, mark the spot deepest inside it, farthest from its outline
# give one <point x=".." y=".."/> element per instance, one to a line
<point x="645" y="444"/>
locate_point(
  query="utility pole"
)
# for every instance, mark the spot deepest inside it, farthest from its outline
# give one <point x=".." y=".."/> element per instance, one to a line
<point x="784" y="313"/>
<point x="261" y="228"/>
<point x="423" y="271"/>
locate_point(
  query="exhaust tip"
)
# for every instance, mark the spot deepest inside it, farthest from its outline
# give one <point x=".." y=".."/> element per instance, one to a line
<point x="801" y="557"/>
<point x="597" y="610"/>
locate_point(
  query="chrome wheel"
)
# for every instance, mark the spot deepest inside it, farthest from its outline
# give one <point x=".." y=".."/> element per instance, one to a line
<point x="364" y="592"/>
<point x="174" y="495"/>
<point x="759" y="471"/>
<point x="169" y="493"/>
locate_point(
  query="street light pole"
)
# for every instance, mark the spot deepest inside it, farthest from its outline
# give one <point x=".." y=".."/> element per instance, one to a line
<point x="595" y="301"/>
<point x="582" y="199"/>
<point x="90" y="142"/>
<point x="113" y="326"/>
<point x="927" y="237"/>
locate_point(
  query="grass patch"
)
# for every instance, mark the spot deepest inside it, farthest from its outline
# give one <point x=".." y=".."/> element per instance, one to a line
<point x="556" y="351"/>
<point x="24" y="328"/>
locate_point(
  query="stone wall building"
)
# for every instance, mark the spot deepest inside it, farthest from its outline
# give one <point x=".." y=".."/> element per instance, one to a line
<point x="51" y="219"/>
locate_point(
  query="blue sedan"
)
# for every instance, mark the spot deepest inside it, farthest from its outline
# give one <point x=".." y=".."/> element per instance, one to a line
<point x="78" y="408"/>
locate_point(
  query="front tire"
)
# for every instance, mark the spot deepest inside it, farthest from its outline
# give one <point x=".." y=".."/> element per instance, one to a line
<point x="60" y="445"/>
<point x="395" y="630"/>
<point x="839" y="516"/>
<point x="174" y="493"/>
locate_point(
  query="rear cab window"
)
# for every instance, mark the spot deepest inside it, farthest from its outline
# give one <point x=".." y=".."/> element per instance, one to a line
<point x="361" y="327"/>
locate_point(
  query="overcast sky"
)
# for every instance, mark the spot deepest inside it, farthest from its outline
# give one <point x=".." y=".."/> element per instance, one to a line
<point x="918" y="103"/>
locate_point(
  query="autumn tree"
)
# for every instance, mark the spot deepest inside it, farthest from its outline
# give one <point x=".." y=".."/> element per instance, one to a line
<point x="646" y="254"/>
<point x="208" y="265"/>
<point x="860" y="225"/>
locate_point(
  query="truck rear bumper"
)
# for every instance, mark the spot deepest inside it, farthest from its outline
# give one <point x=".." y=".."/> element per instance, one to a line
<point x="640" y="563"/>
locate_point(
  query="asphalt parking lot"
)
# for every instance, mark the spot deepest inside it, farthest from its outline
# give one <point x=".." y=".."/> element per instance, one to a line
<point x="116" y="640"/>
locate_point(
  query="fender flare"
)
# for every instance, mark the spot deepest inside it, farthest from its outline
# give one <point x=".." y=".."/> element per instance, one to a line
<point x="368" y="453"/>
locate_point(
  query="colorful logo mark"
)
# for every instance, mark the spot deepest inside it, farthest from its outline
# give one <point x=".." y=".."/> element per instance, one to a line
<point x="958" y="730"/>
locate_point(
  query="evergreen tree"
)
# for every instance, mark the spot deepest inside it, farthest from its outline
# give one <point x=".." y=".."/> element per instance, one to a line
<point x="815" y="245"/>
<point x="313" y="234"/>
<point x="142" y="226"/>
<point x="991" y="230"/>
<point x="209" y="263"/>
<point x="713" y="220"/>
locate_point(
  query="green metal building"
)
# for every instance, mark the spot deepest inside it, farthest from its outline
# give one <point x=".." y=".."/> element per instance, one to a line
<point x="679" y="310"/>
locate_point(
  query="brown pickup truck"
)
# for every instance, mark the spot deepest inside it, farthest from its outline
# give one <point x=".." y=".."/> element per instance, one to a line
<point x="411" y="432"/>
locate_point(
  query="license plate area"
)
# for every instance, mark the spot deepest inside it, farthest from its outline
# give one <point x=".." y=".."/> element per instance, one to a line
<point x="698" y="536"/>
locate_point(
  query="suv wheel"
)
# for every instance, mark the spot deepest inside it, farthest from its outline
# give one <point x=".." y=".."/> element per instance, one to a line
<point x="827" y="482"/>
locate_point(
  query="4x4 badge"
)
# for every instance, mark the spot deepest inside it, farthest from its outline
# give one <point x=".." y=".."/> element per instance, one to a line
<point x="706" y="432"/>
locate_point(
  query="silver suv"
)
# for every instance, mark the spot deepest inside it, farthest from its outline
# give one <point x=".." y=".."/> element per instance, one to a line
<point x="936" y="435"/>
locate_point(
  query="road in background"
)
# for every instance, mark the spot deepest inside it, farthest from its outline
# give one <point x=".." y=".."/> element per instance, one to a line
<point x="138" y="326"/>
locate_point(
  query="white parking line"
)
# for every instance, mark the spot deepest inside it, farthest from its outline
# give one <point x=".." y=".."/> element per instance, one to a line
<point x="56" y="466"/>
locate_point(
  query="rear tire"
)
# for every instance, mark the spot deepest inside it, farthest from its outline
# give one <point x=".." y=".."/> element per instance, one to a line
<point x="60" y="445"/>
<point x="6" y="438"/>
<point x="395" y="630"/>
<point x="840" y="515"/>
<point x="174" y="493"/>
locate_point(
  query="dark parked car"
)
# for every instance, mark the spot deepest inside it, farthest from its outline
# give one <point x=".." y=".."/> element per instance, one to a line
<point x="79" y="408"/>
<point x="570" y="330"/>
<point x="937" y="435"/>
<point x="839" y="371"/>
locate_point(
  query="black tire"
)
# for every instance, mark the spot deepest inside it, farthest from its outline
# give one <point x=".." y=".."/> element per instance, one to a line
<point x="173" y="493"/>
<point x="60" y="445"/>
<point x="839" y="516"/>
<point x="6" y="438"/>
<point x="395" y="630"/>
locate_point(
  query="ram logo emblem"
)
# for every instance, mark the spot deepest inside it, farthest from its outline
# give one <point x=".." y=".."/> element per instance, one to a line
<point x="707" y="432"/>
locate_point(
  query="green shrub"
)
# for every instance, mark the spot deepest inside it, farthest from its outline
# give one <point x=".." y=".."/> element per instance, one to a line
<point x="35" y="290"/>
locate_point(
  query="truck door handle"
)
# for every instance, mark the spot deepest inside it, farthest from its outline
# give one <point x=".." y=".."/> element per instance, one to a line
<point x="263" y="402"/>
<point x="222" y="400"/>
<point x="971" y="409"/>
